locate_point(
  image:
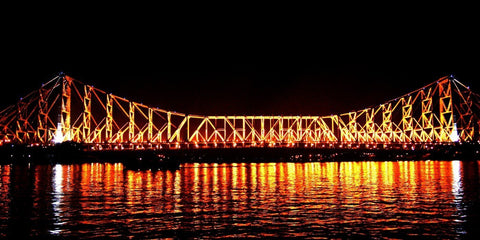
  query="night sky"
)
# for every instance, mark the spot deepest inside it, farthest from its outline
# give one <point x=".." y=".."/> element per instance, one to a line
<point x="214" y="66"/>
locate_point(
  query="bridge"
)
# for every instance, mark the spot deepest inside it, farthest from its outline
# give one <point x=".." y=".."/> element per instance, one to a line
<point x="65" y="109"/>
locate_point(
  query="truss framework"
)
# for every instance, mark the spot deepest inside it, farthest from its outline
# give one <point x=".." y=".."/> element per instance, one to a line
<point x="65" y="109"/>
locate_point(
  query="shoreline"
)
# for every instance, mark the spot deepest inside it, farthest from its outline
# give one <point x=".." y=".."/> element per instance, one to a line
<point x="80" y="153"/>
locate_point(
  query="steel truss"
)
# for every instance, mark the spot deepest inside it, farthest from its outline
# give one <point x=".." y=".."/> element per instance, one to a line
<point x="65" y="109"/>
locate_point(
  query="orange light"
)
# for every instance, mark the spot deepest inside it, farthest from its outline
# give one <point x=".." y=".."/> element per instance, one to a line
<point x="432" y="107"/>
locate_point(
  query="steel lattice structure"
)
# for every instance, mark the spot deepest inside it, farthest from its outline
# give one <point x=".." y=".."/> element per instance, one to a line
<point x="65" y="109"/>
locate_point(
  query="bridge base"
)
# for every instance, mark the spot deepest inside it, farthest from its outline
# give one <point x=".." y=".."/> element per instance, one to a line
<point x="78" y="153"/>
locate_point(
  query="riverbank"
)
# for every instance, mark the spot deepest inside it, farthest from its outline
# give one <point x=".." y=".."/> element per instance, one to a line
<point x="75" y="152"/>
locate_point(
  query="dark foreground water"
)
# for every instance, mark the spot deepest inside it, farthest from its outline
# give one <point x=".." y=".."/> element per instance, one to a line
<point x="422" y="199"/>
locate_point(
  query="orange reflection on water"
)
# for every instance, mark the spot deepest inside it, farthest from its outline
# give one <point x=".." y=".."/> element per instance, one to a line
<point x="4" y="194"/>
<point x="202" y="197"/>
<point x="202" y="184"/>
<point x="4" y="184"/>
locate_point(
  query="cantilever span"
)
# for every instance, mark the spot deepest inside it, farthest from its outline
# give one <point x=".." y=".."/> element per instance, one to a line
<point x="65" y="109"/>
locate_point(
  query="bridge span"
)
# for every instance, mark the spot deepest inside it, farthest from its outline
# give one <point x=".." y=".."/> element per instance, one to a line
<point x="444" y="112"/>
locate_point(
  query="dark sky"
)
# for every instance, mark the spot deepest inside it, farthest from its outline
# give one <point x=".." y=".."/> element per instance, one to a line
<point x="217" y="66"/>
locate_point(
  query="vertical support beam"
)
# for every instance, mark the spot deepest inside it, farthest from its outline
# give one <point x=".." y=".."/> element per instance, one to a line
<point x="224" y="128"/>
<point x="87" y="113"/>
<point x="343" y="132"/>
<point x="42" y="129"/>
<point x="262" y="128"/>
<point x="131" y="122"/>
<point x="352" y="126"/>
<point x="252" y="128"/>
<point x="407" y="126"/>
<point x="243" y="127"/>
<point x="188" y="128"/>
<point x="206" y="137"/>
<point x="235" y="132"/>
<point x="387" y="123"/>
<point x="446" y="110"/>
<point x="370" y="125"/>
<point x="427" y="117"/>
<point x="22" y="123"/>
<point x="299" y="129"/>
<point x="109" y="119"/>
<point x="169" y="125"/>
<point x="150" y="125"/>
<point x="280" y="129"/>
<point x="65" y="111"/>
<point x="337" y="129"/>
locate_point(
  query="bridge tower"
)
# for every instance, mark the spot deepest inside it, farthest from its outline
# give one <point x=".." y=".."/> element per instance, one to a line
<point x="66" y="107"/>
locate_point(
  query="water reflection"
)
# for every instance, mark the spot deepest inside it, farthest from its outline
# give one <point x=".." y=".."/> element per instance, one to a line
<point x="4" y="199"/>
<point x="332" y="199"/>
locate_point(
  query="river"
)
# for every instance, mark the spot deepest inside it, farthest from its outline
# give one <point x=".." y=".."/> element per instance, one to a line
<point x="318" y="200"/>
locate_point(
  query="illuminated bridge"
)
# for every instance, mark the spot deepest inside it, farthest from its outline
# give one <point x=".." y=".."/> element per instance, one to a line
<point x="65" y="109"/>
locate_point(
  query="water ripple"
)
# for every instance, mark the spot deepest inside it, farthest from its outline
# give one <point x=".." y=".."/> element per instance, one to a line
<point x="435" y="199"/>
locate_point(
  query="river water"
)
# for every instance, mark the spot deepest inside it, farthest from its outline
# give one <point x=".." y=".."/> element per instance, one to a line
<point x="373" y="200"/>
